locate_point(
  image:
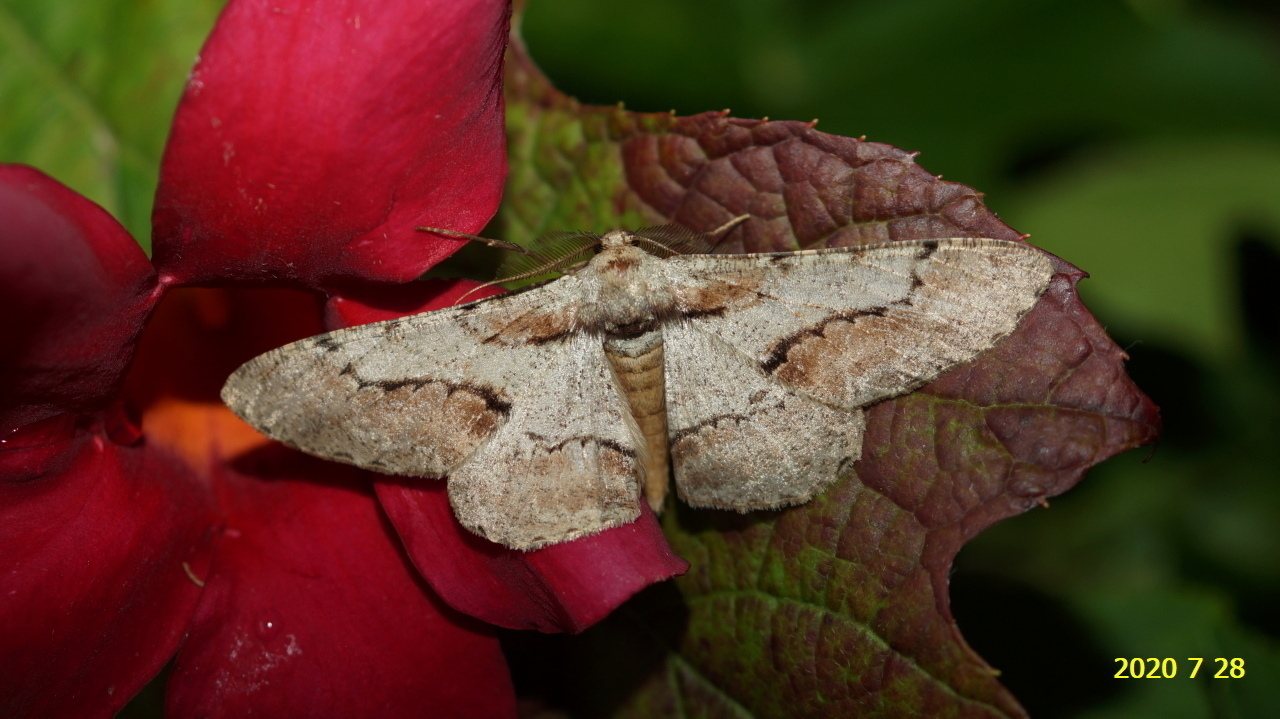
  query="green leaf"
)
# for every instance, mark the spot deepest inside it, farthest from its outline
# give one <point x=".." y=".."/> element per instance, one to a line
<point x="1181" y="624"/>
<point x="838" y="607"/>
<point x="89" y="90"/>
<point x="1155" y="225"/>
<point x="978" y="86"/>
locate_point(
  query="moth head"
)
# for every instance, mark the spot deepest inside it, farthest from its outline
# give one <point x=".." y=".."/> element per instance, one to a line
<point x="567" y="252"/>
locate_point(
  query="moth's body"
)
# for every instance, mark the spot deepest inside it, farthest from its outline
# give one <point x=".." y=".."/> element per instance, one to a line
<point x="627" y="297"/>
<point x="549" y="409"/>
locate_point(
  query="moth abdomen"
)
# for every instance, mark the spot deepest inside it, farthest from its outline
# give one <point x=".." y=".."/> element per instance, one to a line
<point x="639" y="367"/>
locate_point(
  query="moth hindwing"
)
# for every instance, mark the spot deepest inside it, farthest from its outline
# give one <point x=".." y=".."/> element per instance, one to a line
<point x="553" y="410"/>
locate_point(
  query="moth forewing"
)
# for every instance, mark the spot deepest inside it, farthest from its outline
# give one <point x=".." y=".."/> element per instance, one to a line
<point x="852" y="326"/>
<point x="550" y="407"/>
<point x="829" y="332"/>
<point x="414" y="396"/>
<point x="746" y="441"/>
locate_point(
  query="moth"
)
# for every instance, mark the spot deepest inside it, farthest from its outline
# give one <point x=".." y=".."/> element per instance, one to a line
<point x="553" y="409"/>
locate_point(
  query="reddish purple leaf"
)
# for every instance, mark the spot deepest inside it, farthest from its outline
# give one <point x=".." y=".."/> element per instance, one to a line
<point x="312" y="137"/>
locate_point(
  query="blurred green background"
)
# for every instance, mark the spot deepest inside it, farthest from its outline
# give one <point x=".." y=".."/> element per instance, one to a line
<point x="1141" y="141"/>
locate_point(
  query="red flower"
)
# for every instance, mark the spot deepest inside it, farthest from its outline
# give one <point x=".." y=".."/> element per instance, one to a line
<point x="139" y="520"/>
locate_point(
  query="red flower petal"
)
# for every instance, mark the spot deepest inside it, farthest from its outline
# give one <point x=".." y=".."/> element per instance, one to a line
<point x="313" y="137"/>
<point x="76" y="290"/>
<point x="564" y="587"/>
<point x="362" y="305"/>
<point x="311" y="609"/>
<point x="94" y="588"/>
<point x="198" y="336"/>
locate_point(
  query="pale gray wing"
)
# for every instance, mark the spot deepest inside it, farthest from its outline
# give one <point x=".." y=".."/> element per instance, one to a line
<point x="565" y="465"/>
<point x="413" y="396"/>
<point x="739" y="438"/>
<point x="852" y="326"/>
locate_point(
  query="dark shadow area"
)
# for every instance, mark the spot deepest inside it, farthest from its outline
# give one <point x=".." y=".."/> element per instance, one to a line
<point x="474" y="261"/>
<point x="1045" y="654"/>
<point x="1258" y="265"/>
<point x="699" y="520"/>
<point x="592" y="674"/>
<point x="1237" y="464"/>
<point x="1255" y="601"/>
<point x="1257" y="609"/>
<point x="149" y="703"/>
<point x="275" y="462"/>
<point x="1180" y="386"/>
<point x="1268" y="11"/>
<point x="1044" y="151"/>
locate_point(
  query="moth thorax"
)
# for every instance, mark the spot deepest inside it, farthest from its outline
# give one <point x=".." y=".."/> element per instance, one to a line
<point x="629" y="292"/>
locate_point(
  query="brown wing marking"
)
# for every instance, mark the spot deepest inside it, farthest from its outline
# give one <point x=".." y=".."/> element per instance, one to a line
<point x="746" y="441"/>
